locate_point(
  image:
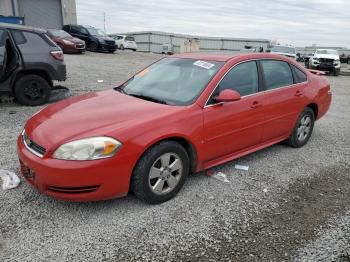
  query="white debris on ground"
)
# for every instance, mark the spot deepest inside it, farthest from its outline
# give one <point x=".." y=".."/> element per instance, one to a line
<point x="221" y="177"/>
<point x="240" y="167"/>
<point x="9" y="179"/>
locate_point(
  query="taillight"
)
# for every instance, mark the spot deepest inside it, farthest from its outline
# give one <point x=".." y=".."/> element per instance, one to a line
<point x="58" y="55"/>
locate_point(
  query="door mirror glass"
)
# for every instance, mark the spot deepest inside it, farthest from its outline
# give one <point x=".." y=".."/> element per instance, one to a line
<point x="228" y="95"/>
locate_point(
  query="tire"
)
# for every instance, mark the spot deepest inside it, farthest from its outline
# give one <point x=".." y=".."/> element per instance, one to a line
<point x="134" y="50"/>
<point x="166" y="183"/>
<point x="32" y="90"/>
<point x="303" y="129"/>
<point x="111" y="51"/>
<point x="122" y="47"/>
<point x="93" y="47"/>
<point x="336" y="72"/>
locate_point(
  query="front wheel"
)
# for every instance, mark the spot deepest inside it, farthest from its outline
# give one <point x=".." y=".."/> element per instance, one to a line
<point x="32" y="90"/>
<point x="93" y="47"/>
<point x="303" y="129"/>
<point x="160" y="173"/>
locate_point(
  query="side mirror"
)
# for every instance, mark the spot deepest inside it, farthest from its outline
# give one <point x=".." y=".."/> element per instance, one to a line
<point x="228" y="95"/>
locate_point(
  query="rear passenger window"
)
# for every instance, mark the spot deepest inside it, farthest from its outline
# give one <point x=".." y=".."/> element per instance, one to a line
<point x="18" y="36"/>
<point x="300" y="76"/>
<point x="277" y="74"/>
<point x="243" y="78"/>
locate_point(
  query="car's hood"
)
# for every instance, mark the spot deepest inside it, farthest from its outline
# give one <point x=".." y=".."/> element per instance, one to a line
<point x="106" y="38"/>
<point x="328" y="56"/>
<point x="94" y="114"/>
<point x="75" y="40"/>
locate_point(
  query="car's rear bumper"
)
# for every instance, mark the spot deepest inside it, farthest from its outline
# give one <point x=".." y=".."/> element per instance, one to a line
<point x="61" y="72"/>
<point x="75" y="180"/>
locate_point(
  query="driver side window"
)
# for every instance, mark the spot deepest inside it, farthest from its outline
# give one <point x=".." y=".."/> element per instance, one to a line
<point x="243" y="78"/>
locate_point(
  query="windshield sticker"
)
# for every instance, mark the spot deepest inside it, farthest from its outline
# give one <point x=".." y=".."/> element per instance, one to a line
<point x="203" y="64"/>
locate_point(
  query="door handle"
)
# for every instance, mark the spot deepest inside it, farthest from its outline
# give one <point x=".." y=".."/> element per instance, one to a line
<point x="298" y="93"/>
<point x="256" y="104"/>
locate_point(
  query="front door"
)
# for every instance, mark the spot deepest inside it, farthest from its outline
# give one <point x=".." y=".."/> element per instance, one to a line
<point x="234" y="126"/>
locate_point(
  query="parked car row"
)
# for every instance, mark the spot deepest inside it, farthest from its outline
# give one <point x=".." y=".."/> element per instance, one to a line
<point x="78" y="38"/>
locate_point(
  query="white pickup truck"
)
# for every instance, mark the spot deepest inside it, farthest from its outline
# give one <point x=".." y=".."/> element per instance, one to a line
<point x="326" y="60"/>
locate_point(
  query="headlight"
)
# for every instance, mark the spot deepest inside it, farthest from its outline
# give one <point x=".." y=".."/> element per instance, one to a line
<point x="336" y="61"/>
<point x="101" y="41"/>
<point x="315" y="58"/>
<point x="88" y="149"/>
<point x="68" y="42"/>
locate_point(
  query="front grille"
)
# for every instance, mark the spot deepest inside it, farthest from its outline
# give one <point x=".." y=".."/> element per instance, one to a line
<point x="110" y="42"/>
<point x="326" y="60"/>
<point x="72" y="190"/>
<point x="32" y="146"/>
<point x="80" y="46"/>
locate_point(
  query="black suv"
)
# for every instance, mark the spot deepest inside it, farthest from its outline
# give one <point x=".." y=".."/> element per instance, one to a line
<point x="95" y="39"/>
<point x="29" y="62"/>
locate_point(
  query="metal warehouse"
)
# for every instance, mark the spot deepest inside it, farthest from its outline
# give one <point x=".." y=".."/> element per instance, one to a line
<point x="153" y="41"/>
<point x="41" y="13"/>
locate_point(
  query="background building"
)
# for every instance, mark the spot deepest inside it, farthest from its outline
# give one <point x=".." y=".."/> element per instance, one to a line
<point x="152" y="41"/>
<point x="41" y="13"/>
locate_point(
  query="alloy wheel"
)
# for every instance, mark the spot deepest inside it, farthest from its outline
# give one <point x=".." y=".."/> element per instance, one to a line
<point x="165" y="173"/>
<point x="304" y="128"/>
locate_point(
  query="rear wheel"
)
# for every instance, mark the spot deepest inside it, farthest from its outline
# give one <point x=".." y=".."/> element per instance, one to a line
<point x="32" y="90"/>
<point x="303" y="129"/>
<point x="160" y="173"/>
<point x="122" y="47"/>
<point x="336" y="72"/>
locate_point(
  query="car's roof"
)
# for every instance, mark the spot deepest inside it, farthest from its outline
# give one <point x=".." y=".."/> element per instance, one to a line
<point x="226" y="57"/>
<point x="22" y="27"/>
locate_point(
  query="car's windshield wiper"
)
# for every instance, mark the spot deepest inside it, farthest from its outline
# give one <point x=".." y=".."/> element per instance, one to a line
<point x="120" y="89"/>
<point x="149" y="98"/>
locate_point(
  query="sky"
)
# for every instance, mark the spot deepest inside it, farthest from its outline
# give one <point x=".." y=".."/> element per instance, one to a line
<point x="295" y="22"/>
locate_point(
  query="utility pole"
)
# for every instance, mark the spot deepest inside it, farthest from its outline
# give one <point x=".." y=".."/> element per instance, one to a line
<point x="104" y="21"/>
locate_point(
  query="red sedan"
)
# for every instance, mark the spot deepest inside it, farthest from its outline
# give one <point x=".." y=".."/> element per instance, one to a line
<point x="182" y="114"/>
<point x="68" y="43"/>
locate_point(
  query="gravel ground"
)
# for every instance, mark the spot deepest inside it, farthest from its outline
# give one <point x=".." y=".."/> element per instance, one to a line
<point x="292" y="204"/>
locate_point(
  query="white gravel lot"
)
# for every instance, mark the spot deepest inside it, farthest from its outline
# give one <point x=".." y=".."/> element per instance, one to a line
<point x="303" y="216"/>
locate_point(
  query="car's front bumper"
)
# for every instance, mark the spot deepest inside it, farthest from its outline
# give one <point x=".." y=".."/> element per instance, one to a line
<point x="107" y="47"/>
<point x="76" y="180"/>
<point x="325" y="66"/>
<point x="76" y="48"/>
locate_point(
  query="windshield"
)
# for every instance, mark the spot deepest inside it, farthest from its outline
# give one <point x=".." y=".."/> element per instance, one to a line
<point x="59" y="33"/>
<point x="96" y="32"/>
<point x="327" y="52"/>
<point x="173" y="81"/>
<point x="283" y="49"/>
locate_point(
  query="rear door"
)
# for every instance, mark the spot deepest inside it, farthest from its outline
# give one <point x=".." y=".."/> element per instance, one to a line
<point x="3" y="57"/>
<point x="284" y="94"/>
<point x="234" y="126"/>
<point x="9" y="59"/>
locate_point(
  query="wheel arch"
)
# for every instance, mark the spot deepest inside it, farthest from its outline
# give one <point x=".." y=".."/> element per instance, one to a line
<point x="186" y="143"/>
<point x="38" y="72"/>
<point x="314" y="108"/>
